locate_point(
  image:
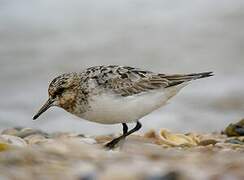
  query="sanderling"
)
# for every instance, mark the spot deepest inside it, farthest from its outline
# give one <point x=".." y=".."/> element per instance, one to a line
<point x="115" y="94"/>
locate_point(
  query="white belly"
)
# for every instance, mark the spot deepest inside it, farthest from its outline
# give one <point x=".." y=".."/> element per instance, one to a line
<point x="109" y="108"/>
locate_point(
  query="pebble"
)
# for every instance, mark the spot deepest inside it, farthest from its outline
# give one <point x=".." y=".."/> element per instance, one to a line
<point x="35" y="139"/>
<point x="13" y="140"/>
<point x="236" y="129"/>
<point x="10" y="131"/>
<point x="155" y="155"/>
<point x="207" y="142"/>
<point x="29" y="131"/>
<point x="172" y="139"/>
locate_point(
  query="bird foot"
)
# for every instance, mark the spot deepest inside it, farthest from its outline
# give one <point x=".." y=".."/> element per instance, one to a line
<point x="113" y="144"/>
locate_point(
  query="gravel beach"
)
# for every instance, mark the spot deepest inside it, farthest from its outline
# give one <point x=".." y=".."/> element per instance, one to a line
<point x="27" y="154"/>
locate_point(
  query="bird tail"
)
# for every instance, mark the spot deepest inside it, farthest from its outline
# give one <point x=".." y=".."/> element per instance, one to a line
<point x="179" y="78"/>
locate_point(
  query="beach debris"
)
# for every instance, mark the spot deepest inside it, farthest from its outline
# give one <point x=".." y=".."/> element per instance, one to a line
<point x="35" y="139"/>
<point x="207" y="142"/>
<point x="13" y="140"/>
<point x="11" y="131"/>
<point x="236" y="129"/>
<point x="173" y="139"/>
<point x="236" y="140"/>
<point x="154" y="155"/>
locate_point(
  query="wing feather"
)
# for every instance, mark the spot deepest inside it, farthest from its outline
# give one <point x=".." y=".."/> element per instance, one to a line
<point x="128" y="81"/>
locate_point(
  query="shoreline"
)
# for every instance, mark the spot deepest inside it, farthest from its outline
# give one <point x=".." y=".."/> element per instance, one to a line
<point x="32" y="154"/>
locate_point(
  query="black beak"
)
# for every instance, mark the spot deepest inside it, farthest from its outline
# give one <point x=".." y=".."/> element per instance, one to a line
<point x="45" y="107"/>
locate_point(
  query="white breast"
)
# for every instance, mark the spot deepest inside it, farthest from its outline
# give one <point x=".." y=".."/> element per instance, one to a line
<point x="110" y="108"/>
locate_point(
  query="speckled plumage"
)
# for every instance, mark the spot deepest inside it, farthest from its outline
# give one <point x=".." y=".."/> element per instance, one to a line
<point x="114" y="94"/>
<point x="121" y="81"/>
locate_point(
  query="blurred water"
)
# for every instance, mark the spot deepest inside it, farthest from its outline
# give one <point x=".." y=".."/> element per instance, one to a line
<point x="41" y="39"/>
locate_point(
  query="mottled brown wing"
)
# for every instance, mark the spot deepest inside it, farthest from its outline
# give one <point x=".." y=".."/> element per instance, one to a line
<point x="128" y="81"/>
<point x="134" y="82"/>
<point x="129" y="86"/>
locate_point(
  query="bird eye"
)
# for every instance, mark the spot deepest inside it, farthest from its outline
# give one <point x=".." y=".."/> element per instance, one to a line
<point x="58" y="92"/>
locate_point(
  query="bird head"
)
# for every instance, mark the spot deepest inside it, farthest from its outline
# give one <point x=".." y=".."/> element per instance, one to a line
<point x="62" y="92"/>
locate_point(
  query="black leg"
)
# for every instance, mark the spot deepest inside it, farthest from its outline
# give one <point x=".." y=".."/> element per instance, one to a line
<point x="112" y="143"/>
<point x="125" y="128"/>
<point x="138" y="126"/>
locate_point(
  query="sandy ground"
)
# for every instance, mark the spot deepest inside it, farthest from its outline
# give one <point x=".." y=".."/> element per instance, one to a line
<point x="40" y="40"/>
<point x="27" y="153"/>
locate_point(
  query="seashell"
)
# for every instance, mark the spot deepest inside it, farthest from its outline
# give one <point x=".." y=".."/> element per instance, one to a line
<point x="166" y="137"/>
<point x="13" y="140"/>
<point x="35" y="139"/>
<point x="10" y="131"/>
<point x="29" y="131"/>
<point x="195" y="137"/>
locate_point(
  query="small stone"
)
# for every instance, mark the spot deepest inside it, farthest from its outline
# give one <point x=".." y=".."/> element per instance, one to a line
<point x="235" y="141"/>
<point x="35" y="139"/>
<point x="29" y="131"/>
<point x="236" y="129"/>
<point x="172" y="139"/>
<point x="10" y="131"/>
<point x="13" y="140"/>
<point x="207" y="142"/>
